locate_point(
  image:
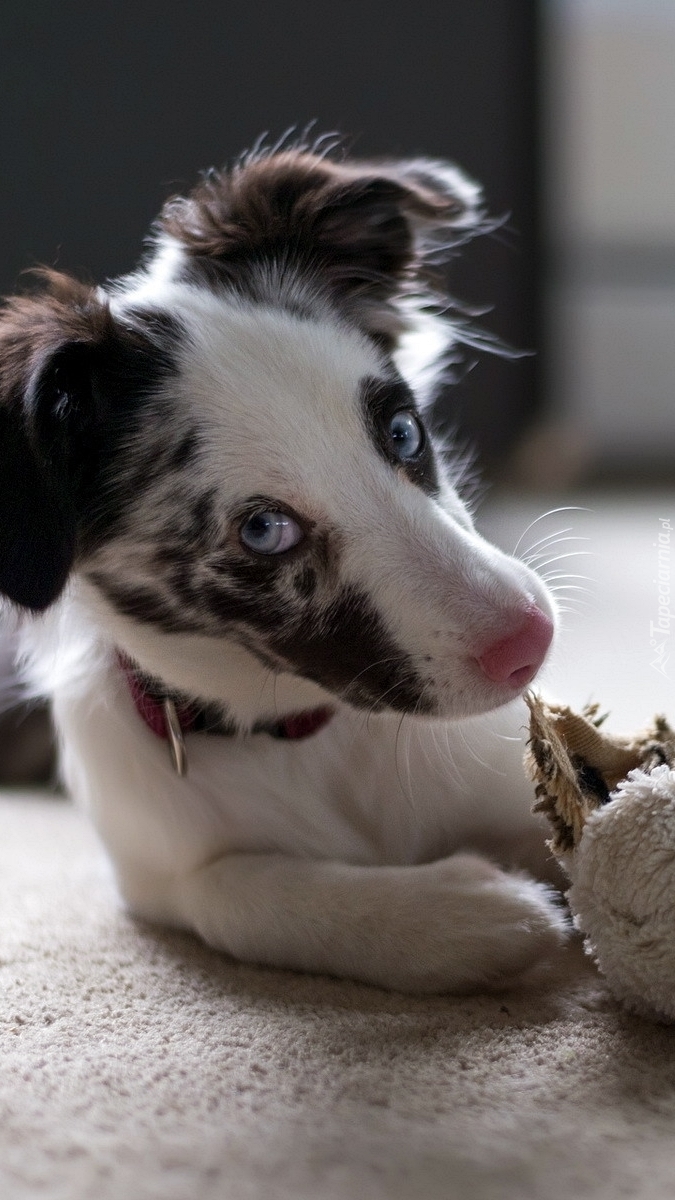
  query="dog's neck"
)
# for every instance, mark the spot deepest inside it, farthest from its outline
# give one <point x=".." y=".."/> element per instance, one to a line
<point x="171" y="717"/>
<point x="213" y="670"/>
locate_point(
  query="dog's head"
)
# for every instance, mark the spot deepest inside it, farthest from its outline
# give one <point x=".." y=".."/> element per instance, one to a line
<point x="230" y="444"/>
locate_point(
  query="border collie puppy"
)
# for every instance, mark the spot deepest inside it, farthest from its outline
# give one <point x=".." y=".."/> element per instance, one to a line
<point x="269" y="629"/>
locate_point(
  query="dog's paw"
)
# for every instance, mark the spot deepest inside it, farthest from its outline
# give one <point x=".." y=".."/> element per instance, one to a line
<point x="482" y="927"/>
<point x="517" y="923"/>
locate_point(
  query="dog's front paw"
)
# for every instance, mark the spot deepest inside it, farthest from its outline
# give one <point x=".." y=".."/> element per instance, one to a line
<point x="524" y="924"/>
<point x="447" y="926"/>
<point x="483" y="928"/>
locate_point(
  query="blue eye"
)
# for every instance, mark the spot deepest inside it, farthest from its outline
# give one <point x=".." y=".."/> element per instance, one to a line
<point x="406" y="433"/>
<point x="270" y="533"/>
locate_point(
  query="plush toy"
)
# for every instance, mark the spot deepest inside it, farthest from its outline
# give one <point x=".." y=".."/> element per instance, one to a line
<point x="611" y="803"/>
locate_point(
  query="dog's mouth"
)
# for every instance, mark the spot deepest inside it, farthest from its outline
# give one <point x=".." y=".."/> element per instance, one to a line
<point x="481" y="682"/>
<point x="497" y="674"/>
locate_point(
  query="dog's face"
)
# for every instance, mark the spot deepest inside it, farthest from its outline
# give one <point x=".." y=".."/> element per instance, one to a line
<point x="225" y="445"/>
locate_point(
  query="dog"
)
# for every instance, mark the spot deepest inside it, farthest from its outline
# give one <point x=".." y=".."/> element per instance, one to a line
<point x="285" y="668"/>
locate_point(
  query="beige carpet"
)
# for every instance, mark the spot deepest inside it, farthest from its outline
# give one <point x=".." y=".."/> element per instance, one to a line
<point x="137" y="1064"/>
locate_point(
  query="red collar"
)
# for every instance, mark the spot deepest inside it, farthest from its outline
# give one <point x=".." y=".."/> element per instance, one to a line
<point x="170" y="717"/>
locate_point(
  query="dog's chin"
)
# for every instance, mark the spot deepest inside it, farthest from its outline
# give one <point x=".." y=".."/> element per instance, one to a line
<point x="470" y="701"/>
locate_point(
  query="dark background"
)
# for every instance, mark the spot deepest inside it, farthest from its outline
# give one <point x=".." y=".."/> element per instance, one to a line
<point x="107" y="109"/>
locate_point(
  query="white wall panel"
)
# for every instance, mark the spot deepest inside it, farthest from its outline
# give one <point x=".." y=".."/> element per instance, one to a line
<point x="610" y="216"/>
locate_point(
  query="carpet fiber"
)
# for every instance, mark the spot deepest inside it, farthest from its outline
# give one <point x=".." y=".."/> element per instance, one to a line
<point x="138" y="1064"/>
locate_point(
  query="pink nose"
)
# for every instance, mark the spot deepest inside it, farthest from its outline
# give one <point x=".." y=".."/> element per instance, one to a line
<point x="517" y="658"/>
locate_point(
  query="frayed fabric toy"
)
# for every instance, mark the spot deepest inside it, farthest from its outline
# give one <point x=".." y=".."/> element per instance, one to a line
<point x="611" y="803"/>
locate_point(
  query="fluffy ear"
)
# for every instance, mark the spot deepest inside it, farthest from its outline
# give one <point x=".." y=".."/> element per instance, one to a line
<point x="389" y="216"/>
<point x="365" y="230"/>
<point x="47" y="345"/>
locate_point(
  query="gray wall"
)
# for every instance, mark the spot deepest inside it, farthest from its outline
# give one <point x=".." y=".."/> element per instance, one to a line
<point x="107" y="108"/>
<point x="611" y="227"/>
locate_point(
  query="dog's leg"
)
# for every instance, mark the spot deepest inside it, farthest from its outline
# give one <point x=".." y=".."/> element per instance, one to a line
<point x="450" y="925"/>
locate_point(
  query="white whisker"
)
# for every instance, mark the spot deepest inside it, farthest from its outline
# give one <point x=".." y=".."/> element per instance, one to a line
<point x="486" y="766"/>
<point x="558" y="557"/>
<point x="572" y="587"/>
<point x="566" y="575"/>
<point x="546" y="549"/>
<point x="549" y="537"/>
<point x="550" y="513"/>
<point x="407" y="793"/>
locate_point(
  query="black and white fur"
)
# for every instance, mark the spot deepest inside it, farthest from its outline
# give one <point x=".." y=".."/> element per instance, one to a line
<point x="253" y="364"/>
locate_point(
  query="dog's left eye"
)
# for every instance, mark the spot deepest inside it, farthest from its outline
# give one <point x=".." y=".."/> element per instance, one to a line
<point x="270" y="532"/>
<point x="406" y="433"/>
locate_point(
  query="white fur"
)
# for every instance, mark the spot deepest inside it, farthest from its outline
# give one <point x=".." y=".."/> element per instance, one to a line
<point x="356" y="851"/>
<point x="336" y="854"/>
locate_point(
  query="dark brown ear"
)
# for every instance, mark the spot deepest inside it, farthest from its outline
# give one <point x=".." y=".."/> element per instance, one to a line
<point x="365" y="230"/>
<point x="47" y="344"/>
<point x="391" y="214"/>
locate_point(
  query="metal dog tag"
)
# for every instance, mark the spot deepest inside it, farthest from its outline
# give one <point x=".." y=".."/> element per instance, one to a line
<point x="175" y="737"/>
